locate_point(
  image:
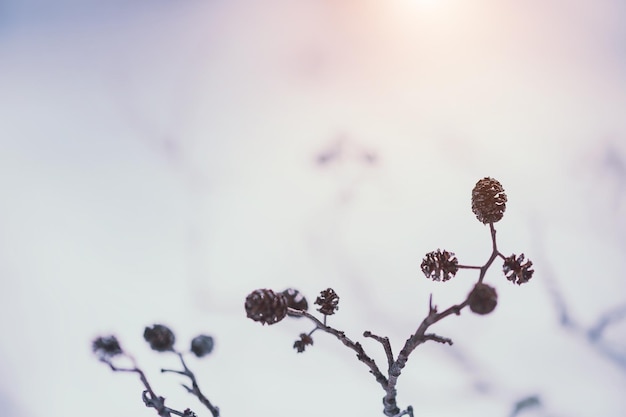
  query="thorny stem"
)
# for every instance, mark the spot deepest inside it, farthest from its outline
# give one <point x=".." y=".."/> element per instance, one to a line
<point x="195" y="388"/>
<point x="420" y="336"/>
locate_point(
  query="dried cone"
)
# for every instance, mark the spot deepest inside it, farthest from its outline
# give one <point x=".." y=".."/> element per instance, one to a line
<point x="106" y="347"/>
<point x="160" y="338"/>
<point x="266" y="306"/>
<point x="202" y="345"/>
<point x="304" y="341"/>
<point x="328" y="301"/>
<point x="488" y="200"/>
<point x="483" y="299"/>
<point x="295" y="300"/>
<point x="440" y="265"/>
<point x="517" y="269"/>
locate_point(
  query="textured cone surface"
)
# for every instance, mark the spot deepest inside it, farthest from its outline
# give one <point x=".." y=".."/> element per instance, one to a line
<point x="483" y="299"/>
<point x="266" y="306"/>
<point x="488" y="200"/>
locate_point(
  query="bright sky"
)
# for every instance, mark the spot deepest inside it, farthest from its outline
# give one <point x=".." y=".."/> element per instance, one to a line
<point x="158" y="162"/>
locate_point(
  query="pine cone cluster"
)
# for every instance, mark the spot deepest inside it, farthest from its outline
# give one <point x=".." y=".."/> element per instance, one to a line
<point x="266" y="306"/>
<point x="160" y="338"/>
<point x="328" y="301"/>
<point x="516" y="270"/>
<point x="488" y="200"/>
<point x="440" y="265"/>
<point x="483" y="299"/>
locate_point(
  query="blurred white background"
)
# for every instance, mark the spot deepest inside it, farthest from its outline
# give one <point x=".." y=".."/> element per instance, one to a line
<point x="161" y="159"/>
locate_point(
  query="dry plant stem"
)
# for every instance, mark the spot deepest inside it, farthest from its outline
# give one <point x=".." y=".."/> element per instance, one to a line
<point x="494" y="254"/>
<point x="386" y="345"/>
<point x="355" y="346"/>
<point x="150" y="399"/>
<point x="194" y="389"/>
<point x="420" y="336"/>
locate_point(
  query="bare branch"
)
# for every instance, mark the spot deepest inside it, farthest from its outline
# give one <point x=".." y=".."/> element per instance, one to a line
<point x="386" y="345"/>
<point x="436" y="338"/>
<point x="355" y="346"/>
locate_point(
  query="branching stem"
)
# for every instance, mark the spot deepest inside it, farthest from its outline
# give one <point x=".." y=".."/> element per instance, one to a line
<point x="150" y="399"/>
<point x="420" y="336"/>
<point x="195" y="388"/>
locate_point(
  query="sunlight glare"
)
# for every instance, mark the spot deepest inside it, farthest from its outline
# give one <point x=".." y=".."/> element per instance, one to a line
<point x="425" y="3"/>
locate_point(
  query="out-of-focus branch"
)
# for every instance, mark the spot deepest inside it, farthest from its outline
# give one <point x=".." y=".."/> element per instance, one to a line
<point x="149" y="397"/>
<point x="195" y="388"/>
<point x="594" y="334"/>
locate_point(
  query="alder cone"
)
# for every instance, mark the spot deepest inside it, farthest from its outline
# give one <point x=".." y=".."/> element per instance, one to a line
<point x="483" y="299"/>
<point x="328" y="300"/>
<point x="488" y="200"/>
<point x="295" y="300"/>
<point x="159" y="337"/>
<point x="440" y="265"/>
<point x="518" y="269"/>
<point x="266" y="306"/>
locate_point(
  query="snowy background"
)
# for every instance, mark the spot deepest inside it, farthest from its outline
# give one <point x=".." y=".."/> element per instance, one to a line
<point x="161" y="159"/>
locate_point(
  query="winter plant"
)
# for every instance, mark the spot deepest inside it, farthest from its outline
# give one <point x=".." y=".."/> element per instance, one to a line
<point x="488" y="204"/>
<point x="161" y="339"/>
<point x="269" y="307"/>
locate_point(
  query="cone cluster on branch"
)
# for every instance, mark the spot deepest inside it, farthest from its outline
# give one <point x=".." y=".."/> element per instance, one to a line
<point x="267" y="306"/>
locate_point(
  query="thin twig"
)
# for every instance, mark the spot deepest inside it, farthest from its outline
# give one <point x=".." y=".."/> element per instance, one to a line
<point x="386" y="345"/>
<point x="615" y="315"/>
<point x="494" y="254"/>
<point x="195" y="388"/>
<point x="355" y="346"/>
<point x="149" y="397"/>
<point x="437" y="338"/>
<point x="468" y="267"/>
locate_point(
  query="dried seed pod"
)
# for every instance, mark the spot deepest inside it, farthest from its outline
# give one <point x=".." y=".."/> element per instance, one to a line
<point x="328" y="301"/>
<point x="106" y="347"/>
<point x="516" y="270"/>
<point x="488" y="200"/>
<point x="483" y="299"/>
<point x="295" y="300"/>
<point x="304" y="341"/>
<point x="160" y="337"/>
<point x="266" y="306"/>
<point x="440" y="265"/>
<point x="202" y="345"/>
